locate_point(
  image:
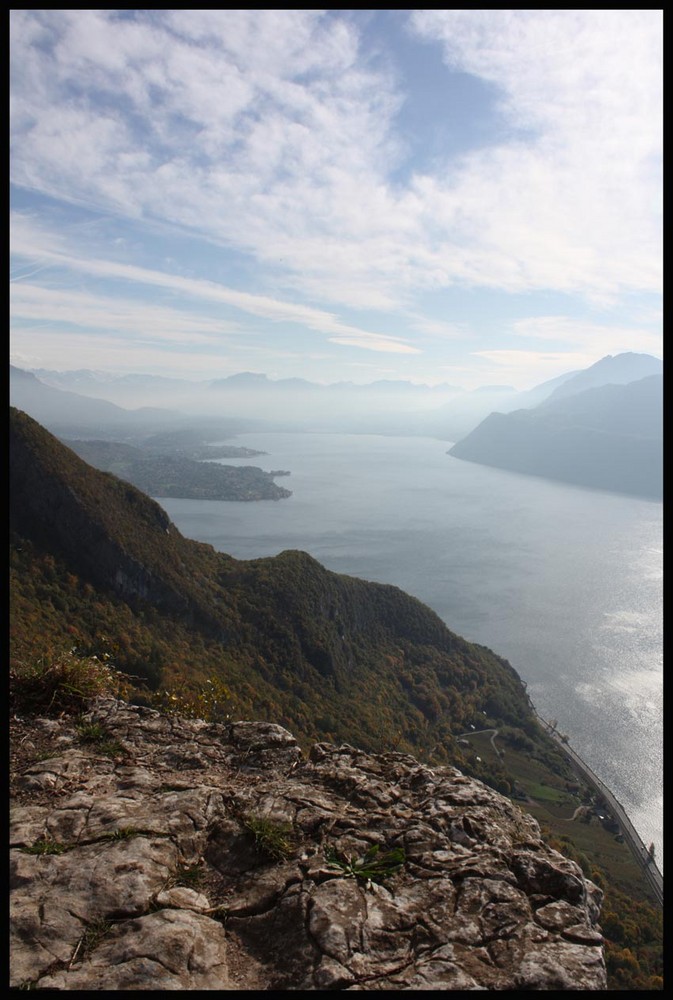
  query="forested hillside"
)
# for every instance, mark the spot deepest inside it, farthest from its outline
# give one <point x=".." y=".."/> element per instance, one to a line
<point x="327" y="655"/>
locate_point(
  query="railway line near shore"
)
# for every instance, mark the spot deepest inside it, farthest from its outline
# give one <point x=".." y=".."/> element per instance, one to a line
<point x="651" y="873"/>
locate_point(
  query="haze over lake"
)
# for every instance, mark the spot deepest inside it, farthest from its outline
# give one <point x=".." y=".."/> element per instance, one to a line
<point x="564" y="582"/>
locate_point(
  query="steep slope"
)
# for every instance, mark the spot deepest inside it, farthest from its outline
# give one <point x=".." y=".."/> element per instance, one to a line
<point x="608" y="438"/>
<point x="105" y="529"/>
<point x="293" y="642"/>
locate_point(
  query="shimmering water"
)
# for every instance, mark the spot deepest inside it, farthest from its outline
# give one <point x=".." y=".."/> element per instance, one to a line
<point x="565" y="583"/>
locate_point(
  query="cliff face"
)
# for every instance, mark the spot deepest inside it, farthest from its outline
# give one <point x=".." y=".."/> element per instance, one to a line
<point x="193" y="856"/>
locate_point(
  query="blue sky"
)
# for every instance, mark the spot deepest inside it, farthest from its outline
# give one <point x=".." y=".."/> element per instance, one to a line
<point x="463" y="196"/>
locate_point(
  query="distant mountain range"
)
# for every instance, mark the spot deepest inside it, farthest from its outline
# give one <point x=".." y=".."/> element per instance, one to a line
<point x="62" y="407"/>
<point x="253" y="401"/>
<point x="95" y="383"/>
<point x="75" y="415"/>
<point x="602" y="428"/>
<point x="68" y="403"/>
<point x="585" y="427"/>
<point x="618" y="369"/>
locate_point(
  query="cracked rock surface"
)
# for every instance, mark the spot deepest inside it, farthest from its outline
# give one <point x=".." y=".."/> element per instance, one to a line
<point x="197" y="856"/>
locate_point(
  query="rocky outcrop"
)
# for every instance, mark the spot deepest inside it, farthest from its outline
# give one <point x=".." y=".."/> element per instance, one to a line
<point x="152" y="852"/>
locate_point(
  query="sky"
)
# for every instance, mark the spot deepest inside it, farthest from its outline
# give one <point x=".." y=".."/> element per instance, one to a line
<point x="471" y="197"/>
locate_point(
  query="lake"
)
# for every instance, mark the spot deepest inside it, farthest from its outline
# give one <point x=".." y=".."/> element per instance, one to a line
<point x="564" y="582"/>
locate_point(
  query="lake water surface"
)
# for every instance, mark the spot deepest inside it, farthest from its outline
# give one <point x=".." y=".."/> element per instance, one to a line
<point x="564" y="582"/>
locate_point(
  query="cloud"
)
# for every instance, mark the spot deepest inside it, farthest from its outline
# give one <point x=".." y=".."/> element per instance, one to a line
<point x="37" y="245"/>
<point x="577" y="344"/>
<point x="571" y="201"/>
<point x="514" y="360"/>
<point x="559" y="71"/>
<point x="270" y="131"/>
<point x="274" y="134"/>
<point x="43" y="349"/>
<point x="372" y="342"/>
<point x="594" y="338"/>
<point x="124" y="315"/>
<point x="438" y="329"/>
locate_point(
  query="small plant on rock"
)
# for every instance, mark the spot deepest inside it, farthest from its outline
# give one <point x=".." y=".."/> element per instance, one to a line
<point x="63" y="681"/>
<point x="93" y="935"/>
<point x="45" y="846"/>
<point x="95" y="735"/>
<point x="189" y="876"/>
<point x="274" y="840"/>
<point x="372" y="866"/>
<point x="122" y="833"/>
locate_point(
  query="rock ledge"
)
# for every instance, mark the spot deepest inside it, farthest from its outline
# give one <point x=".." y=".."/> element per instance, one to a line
<point x="197" y="858"/>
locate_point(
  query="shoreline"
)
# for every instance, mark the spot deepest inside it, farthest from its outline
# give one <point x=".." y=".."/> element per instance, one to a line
<point x="651" y="872"/>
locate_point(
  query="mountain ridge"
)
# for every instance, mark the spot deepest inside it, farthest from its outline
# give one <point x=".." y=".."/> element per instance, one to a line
<point x="253" y="400"/>
<point x="617" y="369"/>
<point x="605" y="437"/>
<point x="283" y="623"/>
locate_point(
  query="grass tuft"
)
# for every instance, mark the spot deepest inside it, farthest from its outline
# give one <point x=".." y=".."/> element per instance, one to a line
<point x="122" y="833"/>
<point x="93" y="935"/>
<point x="62" y="682"/>
<point x="372" y="866"/>
<point x="189" y="876"/>
<point x="45" y="846"/>
<point x="95" y="735"/>
<point x="273" y="840"/>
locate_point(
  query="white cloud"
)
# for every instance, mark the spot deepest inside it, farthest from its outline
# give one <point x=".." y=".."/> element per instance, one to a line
<point x="564" y="71"/>
<point x="37" y="245"/>
<point x="439" y="329"/>
<point x="372" y="342"/>
<point x="124" y="315"/>
<point x="556" y="362"/>
<point x="44" y="349"/>
<point x="267" y="136"/>
<point x="571" y="202"/>
<point x="593" y="338"/>
<point x="271" y="132"/>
